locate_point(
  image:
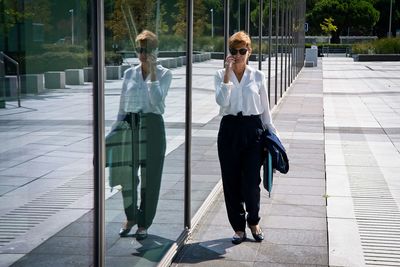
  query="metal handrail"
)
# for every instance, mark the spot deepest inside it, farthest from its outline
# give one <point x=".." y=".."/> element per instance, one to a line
<point x="18" y="76"/>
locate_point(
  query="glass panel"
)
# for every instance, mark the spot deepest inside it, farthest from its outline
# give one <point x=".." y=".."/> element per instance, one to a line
<point x="145" y="127"/>
<point x="208" y="46"/>
<point x="46" y="168"/>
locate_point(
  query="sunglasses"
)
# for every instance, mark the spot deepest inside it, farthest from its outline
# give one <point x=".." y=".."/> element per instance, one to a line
<point x="241" y="51"/>
<point x="143" y="50"/>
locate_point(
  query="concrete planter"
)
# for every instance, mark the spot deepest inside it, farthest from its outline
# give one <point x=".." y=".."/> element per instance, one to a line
<point x="124" y="68"/>
<point x="113" y="72"/>
<point x="172" y="63"/>
<point x="2" y="93"/>
<point x="88" y="74"/>
<point x="377" y="57"/>
<point x="11" y="86"/>
<point x="74" y="76"/>
<point x="54" y="80"/>
<point x="32" y="83"/>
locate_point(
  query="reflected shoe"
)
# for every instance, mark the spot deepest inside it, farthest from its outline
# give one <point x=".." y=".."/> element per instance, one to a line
<point x="238" y="238"/>
<point x="124" y="231"/>
<point x="141" y="234"/>
<point x="257" y="233"/>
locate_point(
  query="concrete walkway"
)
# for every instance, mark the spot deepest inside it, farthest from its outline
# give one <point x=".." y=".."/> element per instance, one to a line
<point x="337" y="206"/>
<point x="294" y="218"/>
<point x="339" y="203"/>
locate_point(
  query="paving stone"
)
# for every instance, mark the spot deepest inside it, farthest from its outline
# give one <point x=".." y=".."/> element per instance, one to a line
<point x="287" y="254"/>
<point x="296" y="210"/>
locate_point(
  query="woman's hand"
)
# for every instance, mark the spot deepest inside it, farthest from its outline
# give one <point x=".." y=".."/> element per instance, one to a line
<point x="152" y="61"/>
<point x="229" y="61"/>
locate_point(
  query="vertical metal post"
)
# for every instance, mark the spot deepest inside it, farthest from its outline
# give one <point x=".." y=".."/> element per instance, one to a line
<point x="289" y="43"/>
<point x="247" y="18"/>
<point x="390" y="20"/>
<point x="72" y="25"/>
<point x="158" y="18"/>
<point x="276" y="48"/>
<point x="188" y="113"/>
<point x="286" y="41"/>
<point x="226" y="28"/>
<point x="238" y="22"/>
<point x="269" y="48"/>
<point x="18" y="86"/>
<point x="282" y="34"/>
<point x="97" y="15"/>
<point x="260" y="28"/>
<point x="212" y="22"/>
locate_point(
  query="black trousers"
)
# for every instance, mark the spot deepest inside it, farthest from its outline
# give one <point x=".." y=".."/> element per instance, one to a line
<point x="240" y="154"/>
<point x="148" y="152"/>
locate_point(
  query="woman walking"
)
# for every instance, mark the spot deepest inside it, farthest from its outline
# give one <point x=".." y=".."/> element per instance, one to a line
<point x="242" y="96"/>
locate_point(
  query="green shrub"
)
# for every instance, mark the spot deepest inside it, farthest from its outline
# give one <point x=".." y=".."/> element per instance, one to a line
<point x="63" y="48"/>
<point x="308" y="45"/>
<point x="55" y="61"/>
<point x="387" y="46"/>
<point x="208" y="44"/>
<point x="264" y="48"/>
<point x="113" y="58"/>
<point x="362" y="48"/>
<point x="171" y="43"/>
<point x="380" y="46"/>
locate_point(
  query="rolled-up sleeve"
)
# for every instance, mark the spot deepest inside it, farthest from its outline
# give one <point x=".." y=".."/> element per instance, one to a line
<point x="222" y="90"/>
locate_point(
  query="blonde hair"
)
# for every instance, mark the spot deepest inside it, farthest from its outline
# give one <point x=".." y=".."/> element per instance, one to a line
<point x="240" y="38"/>
<point x="148" y="38"/>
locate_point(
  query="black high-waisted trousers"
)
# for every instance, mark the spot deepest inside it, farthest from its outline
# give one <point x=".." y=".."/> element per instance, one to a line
<point x="240" y="154"/>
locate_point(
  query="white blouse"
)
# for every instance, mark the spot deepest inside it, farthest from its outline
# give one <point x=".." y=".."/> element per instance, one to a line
<point x="248" y="96"/>
<point x="143" y="95"/>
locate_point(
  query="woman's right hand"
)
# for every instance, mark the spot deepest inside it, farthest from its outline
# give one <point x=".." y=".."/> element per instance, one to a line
<point x="229" y="61"/>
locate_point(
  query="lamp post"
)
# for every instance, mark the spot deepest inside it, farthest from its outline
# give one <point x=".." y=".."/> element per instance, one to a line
<point x="390" y="20"/>
<point x="212" y="22"/>
<point x="72" y="25"/>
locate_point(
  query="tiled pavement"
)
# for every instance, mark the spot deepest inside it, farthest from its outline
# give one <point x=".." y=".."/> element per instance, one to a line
<point x="294" y="218"/>
<point x="338" y="205"/>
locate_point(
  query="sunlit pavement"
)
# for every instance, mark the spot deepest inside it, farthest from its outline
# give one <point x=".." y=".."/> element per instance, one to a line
<point x="338" y="204"/>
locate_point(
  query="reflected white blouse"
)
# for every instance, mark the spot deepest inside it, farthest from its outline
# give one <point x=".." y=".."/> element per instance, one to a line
<point x="143" y="95"/>
<point x="248" y="96"/>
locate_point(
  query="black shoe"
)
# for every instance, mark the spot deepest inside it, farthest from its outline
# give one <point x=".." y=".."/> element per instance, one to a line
<point x="258" y="236"/>
<point x="141" y="234"/>
<point x="124" y="231"/>
<point x="237" y="239"/>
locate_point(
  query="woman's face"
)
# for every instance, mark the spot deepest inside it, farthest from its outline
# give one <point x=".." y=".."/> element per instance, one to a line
<point x="143" y="51"/>
<point x="240" y="52"/>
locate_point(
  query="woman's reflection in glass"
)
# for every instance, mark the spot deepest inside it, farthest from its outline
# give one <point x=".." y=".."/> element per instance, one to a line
<point x="142" y="104"/>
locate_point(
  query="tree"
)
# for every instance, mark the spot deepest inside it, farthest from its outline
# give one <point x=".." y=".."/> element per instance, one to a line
<point x="327" y="26"/>
<point x="382" y="26"/>
<point x="129" y="17"/>
<point x="351" y="17"/>
<point x="199" y="15"/>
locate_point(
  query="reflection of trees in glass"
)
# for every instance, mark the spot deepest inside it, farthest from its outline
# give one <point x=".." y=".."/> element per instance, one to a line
<point x="123" y="15"/>
<point x="143" y="15"/>
<point x="37" y="11"/>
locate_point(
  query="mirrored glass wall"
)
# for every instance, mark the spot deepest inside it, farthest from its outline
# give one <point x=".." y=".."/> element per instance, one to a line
<point x="145" y="93"/>
<point x="160" y="127"/>
<point x="46" y="167"/>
